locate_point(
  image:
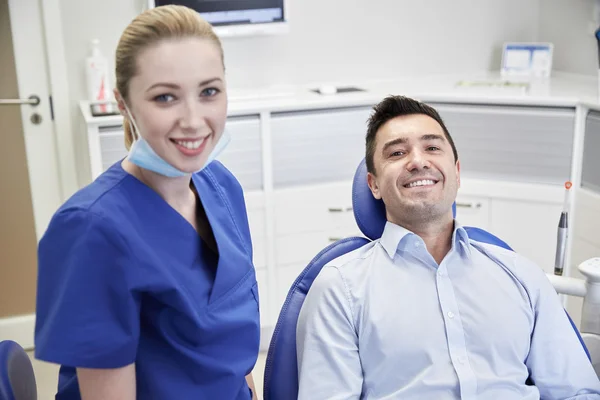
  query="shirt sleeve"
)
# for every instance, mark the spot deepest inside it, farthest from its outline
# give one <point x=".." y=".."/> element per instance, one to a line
<point x="327" y="342"/>
<point x="557" y="362"/>
<point x="86" y="315"/>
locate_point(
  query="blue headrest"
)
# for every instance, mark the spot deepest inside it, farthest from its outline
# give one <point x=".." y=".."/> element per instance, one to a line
<point x="368" y="211"/>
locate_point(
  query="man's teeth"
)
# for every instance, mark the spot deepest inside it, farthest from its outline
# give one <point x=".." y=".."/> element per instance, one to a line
<point x="190" y="145"/>
<point x="425" y="182"/>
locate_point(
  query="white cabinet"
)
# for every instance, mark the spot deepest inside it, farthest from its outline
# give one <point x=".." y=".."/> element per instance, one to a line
<point x="308" y="219"/>
<point x="530" y="228"/>
<point x="473" y="211"/>
<point x="112" y="145"/>
<point x="243" y="156"/>
<point x="312" y="147"/>
<point x="515" y="143"/>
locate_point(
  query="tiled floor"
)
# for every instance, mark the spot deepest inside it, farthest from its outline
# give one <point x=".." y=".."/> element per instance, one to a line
<point x="46" y="376"/>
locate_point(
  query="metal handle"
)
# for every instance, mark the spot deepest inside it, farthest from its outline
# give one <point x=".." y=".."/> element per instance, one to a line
<point x="32" y="101"/>
<point x="339" y="209"/>
<point x="468" y="205"/>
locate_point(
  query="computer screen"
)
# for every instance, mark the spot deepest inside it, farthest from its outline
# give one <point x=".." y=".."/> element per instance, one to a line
<point x="227" y="15"/>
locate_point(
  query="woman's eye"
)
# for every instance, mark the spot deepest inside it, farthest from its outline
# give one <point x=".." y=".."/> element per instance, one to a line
<point x="164" y="98"/>
<point x="209" y="92"/>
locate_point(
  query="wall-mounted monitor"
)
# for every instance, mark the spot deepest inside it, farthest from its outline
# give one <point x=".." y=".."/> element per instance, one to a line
<point x="239" y="17"/>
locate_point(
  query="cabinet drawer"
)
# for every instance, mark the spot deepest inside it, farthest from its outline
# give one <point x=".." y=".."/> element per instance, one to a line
<point x="243" y="156"/>
<point x="473" y="211"/>
<point x="300" y="248"/>
<point x="590" y="174"/>
<point x="312" y="208"/>
<point x="318" y="146"/>
<point x="528" y="227"/>
<point x="112" y="146"/>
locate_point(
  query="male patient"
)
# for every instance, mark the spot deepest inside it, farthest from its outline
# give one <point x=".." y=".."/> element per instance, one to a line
<point x="425" y="312"/>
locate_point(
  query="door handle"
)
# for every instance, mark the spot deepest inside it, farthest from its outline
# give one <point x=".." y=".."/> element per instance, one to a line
<point x="468" y="205"/>
<point x="32" y="101"/>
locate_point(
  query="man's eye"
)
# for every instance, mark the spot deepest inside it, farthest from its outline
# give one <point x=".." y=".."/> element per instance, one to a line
<point x="164" y="98"/>
<point x="433" y="148"/>
<point x="209" y="92"/>
<point x="397" y="154"/>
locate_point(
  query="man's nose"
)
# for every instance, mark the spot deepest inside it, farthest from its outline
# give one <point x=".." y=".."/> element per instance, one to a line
<point x="417" y="160"/>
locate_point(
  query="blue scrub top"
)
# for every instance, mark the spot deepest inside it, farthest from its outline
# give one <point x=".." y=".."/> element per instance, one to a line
<point x="123" y="278"/>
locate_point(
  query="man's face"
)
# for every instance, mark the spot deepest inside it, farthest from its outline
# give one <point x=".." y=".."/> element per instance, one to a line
<point x="415" y="172"/>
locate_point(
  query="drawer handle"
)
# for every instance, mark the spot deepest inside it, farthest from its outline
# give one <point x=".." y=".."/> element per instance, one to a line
<point x="334" y="239"/>
<point x="468" y="205"/>
<point x="339" y="209"/>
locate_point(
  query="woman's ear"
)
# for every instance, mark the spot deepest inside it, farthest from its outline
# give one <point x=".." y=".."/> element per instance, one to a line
<point x="120" y="102"/>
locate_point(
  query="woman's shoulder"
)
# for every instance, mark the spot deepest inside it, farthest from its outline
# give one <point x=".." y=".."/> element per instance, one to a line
<point x="103" y="199"/>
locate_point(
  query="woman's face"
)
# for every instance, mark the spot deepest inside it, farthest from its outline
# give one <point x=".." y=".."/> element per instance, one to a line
<point x="179" y="101"/>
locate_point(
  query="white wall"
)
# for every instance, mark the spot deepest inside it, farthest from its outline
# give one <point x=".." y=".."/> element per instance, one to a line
<point x="343" y="41"/>
<point x="569" y="24"/>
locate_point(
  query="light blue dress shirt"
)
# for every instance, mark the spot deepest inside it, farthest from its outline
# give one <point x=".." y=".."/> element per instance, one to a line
<point x="386" y="322"/>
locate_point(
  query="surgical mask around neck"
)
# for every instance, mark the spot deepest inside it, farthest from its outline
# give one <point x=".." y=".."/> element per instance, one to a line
<point x="142" y="154"/>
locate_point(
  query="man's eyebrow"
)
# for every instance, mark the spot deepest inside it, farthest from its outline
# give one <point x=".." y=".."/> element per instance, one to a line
<point x="432" y="136"/>
<point x="394" y="142"/>
<point x="403" y="140"/>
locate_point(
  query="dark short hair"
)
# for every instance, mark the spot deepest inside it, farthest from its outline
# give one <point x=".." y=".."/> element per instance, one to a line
<point x="397" y="106"/>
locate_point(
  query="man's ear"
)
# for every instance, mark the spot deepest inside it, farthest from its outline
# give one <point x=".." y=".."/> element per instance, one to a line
<point x="372" y="182"/>
<point x="458" y="172"/>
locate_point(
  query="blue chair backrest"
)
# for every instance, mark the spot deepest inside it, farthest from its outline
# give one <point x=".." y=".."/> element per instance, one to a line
<point x="17" y="378"/>
<point x="281" y="370"/>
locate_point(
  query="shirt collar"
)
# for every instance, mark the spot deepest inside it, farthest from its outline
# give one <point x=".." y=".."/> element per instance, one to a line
<point x="393" y="235"/>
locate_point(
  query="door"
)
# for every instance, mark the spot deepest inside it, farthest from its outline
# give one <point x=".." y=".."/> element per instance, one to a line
<point x="29" y="180"/>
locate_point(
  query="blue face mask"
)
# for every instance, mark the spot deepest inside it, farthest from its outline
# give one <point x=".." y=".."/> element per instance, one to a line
<point x="142" y="155"/>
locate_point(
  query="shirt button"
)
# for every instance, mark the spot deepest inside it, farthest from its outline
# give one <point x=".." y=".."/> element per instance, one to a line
<point x="440" y="273"/>
<point x="450" y="314"/>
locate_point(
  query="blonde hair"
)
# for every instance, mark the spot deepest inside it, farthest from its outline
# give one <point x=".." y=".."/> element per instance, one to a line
<point x="149" y="28"/>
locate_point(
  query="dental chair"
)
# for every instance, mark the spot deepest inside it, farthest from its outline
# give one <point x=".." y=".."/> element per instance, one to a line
<point x="17" y="378"/>
<point x="281" y="371"/>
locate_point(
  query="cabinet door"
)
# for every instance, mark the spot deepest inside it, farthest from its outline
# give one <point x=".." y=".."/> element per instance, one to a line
<point x="590" y="174"/>
<point x="112" y="145"/>
<point x="320" y="146"/>
<point x="530" y="228"/>
<point x="473" y="211"/>
<point x="521" y="144"/>
<point x="312" y="208"/>
<point x="243" y="156"/>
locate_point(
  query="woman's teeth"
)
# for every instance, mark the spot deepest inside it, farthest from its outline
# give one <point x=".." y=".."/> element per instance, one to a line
<point x="190" y="145"/>
<point x="425" y="182"/>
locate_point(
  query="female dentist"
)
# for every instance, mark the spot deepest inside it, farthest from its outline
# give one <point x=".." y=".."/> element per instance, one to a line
<point x="146" y="287"/>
